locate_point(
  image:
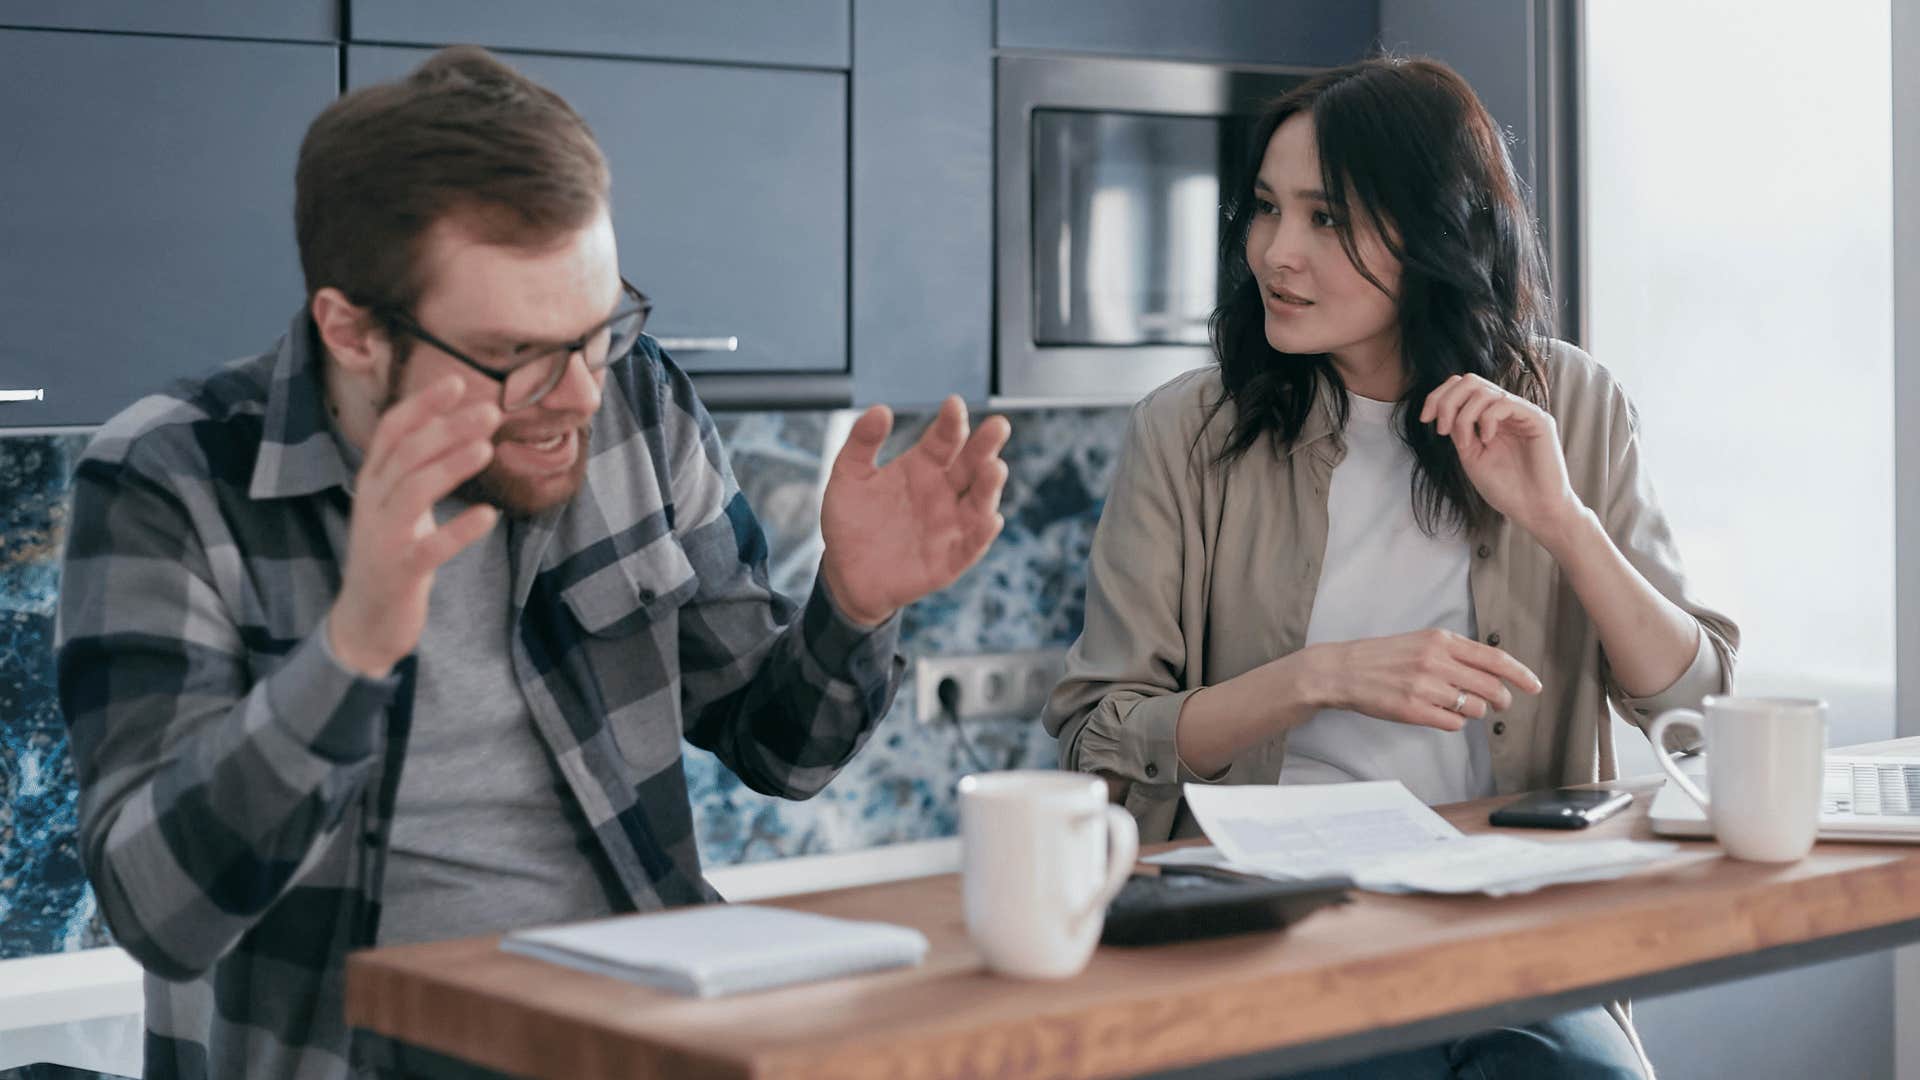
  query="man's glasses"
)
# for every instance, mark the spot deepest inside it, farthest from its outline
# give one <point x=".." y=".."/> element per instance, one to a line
<point x="528" y="374"/>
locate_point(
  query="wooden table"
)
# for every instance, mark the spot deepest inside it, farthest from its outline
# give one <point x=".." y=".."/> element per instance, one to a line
<point x="1382" y="973"/>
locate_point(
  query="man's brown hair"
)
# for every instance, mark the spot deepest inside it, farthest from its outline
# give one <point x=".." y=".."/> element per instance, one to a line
<point x="464" y="133"/>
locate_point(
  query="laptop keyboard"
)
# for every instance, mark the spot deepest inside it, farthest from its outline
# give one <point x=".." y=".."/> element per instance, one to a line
<point x="1868" y="790"/>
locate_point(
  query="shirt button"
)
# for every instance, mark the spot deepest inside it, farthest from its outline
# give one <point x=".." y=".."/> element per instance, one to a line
<point x="1499" y="727"/>
<point x="648" y="596"/>
<point x="1152" y="770"/>
<point x="1485" y="552"/>
<point x="1493" y="638"/>
<point x="370" y="838"/>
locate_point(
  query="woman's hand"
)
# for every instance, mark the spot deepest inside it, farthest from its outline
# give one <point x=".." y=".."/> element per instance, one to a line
<point x="1510" y="450"/>
<point x="1429" y="677"/>
<point x="1433" y="678"/>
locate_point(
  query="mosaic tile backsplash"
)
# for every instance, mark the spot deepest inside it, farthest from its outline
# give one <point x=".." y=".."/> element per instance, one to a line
<point x="45" y="905"/>
<point x="1027" y="593"/>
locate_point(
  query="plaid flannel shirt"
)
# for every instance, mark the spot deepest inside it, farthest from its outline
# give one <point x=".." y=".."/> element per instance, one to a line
<point x="237" y="785"/>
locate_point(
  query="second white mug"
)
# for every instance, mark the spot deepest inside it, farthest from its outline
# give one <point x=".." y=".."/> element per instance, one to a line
<point x="1766" y="758"/>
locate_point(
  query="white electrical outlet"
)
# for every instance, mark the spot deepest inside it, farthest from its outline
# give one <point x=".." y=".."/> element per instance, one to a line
<point x="991" y="685"/>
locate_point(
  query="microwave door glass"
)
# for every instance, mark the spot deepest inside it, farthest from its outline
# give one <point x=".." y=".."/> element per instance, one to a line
<point x="1126" y="227"/>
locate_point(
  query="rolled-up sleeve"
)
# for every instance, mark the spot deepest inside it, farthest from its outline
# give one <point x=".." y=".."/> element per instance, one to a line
<point x="1709" y="673"/>
<point x="1633" y="518"/>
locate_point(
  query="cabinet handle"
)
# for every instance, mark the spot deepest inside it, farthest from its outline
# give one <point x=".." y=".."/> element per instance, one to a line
<point x="23" y="395"/>
<point x="699" y="344"/>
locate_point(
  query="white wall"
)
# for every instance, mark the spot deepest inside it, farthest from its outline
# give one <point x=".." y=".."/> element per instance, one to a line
<point x="1739" y="275"/>
<point x="1740" y="281"/>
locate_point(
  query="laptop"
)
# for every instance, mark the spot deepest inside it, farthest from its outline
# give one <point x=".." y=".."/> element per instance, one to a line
<point x="1867" y="797"/>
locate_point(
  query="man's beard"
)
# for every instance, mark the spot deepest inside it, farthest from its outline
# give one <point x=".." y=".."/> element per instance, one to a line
<point x="519" y="496"/>
<point x="514" y="496"/>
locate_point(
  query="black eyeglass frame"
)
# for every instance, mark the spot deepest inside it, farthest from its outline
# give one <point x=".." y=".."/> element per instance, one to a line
<point x="641" y="306"/>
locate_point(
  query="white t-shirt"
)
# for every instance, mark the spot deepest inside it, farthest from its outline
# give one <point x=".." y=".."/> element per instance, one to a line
<point x="1382" y="576"/>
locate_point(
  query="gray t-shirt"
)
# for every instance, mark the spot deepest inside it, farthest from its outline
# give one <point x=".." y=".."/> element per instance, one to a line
<point x="485" y="836"/>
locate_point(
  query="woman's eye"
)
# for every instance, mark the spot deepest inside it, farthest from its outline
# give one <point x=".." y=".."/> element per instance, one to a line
<point x="1323" y="219"/>
<point x="1262" y="206"/>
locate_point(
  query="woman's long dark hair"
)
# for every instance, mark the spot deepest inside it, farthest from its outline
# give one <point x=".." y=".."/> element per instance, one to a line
<point x="1408" y="144"/>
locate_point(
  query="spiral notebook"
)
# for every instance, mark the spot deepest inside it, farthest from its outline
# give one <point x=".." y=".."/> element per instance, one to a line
<point x="723" y="948"/>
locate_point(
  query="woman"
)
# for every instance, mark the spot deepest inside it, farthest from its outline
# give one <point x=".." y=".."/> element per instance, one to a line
<point x="1397" y="532"/>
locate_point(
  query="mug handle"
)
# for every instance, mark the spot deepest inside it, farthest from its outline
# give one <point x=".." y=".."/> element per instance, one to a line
<point x="1123" y="848"/>
<point x="1685" y="718"/>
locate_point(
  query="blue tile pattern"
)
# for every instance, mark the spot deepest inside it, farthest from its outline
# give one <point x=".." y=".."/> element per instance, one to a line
<point x="45" y="905"/>
<point x="1027" y="593"/>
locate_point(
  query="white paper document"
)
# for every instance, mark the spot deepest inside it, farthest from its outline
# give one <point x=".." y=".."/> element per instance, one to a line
<point x="1386" y="840"/>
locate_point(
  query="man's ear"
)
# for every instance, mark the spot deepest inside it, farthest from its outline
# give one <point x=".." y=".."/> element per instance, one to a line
<point x="349" y="332"/>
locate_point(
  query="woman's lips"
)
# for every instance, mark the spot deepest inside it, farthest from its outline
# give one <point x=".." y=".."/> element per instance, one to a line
<point x="1282" y="302"/>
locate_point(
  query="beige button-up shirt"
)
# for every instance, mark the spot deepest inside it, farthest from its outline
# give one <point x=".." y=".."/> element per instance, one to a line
<point x="1199" y="574"/>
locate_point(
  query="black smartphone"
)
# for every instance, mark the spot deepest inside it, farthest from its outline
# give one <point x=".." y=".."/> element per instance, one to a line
<point x="1561" y="808"/>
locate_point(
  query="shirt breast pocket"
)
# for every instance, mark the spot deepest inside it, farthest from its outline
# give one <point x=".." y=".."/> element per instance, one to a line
<point x="629" y="610"/>
<point x="641" y="589"/>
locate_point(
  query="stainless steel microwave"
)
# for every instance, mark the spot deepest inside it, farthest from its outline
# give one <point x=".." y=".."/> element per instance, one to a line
<point x="1108" y="179"/>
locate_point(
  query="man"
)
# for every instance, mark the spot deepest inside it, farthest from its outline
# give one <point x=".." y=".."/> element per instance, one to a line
<point x="392" y="633"/>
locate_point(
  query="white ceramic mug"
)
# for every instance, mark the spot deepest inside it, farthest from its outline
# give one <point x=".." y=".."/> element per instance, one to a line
<point x="1766" y="758"/>
<point x="1042" y="854"/>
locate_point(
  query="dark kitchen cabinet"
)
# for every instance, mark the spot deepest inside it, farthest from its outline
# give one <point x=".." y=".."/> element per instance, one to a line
<point x="146" y="219"/>
<point x="796" y="33"/>
<point x="1303" y="33"/>
<point x="729" y="199"/>
<point x="291" y="20"/>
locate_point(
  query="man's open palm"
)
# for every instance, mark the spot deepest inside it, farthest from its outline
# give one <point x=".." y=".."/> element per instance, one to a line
<point x="896" y="532"/>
